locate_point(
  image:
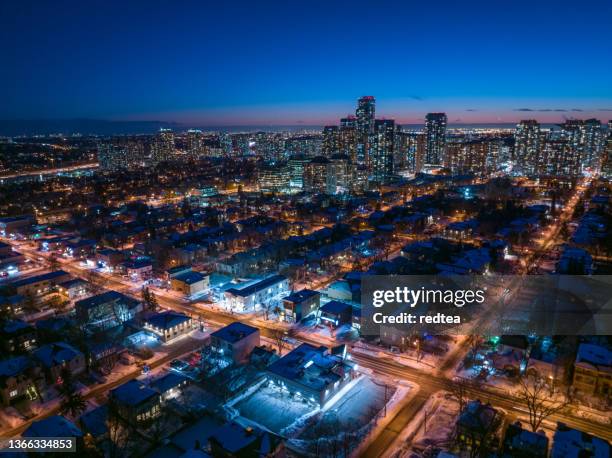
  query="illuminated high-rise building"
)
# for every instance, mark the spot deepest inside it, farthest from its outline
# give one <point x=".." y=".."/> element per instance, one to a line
<point x="382" y="150"/>
<point x="270" y="145"/>
<point x="163" y="147"/>
<point x="593" y="141"/>
<point x="319" y="176"/>
<point x="527" y="146"/>
<point x="330" y="141"/>
<point x="559" y="159"/>
<point x="341" y="170"/>
<point x="121" y="153"/>
<point x="195" y="143"/>
<point x="347" y="138"/>
<point x="467" y="157"/>
<point x="225" y="140"/>
<point x="606" y="169"/>
<point x="307" y="145"/>
<point x="112" y="157"/>
<point x="365" y="114"/>
<point x="296" y="166"/>
<point x="274" y="178"/>
<point x="435" y="133"/>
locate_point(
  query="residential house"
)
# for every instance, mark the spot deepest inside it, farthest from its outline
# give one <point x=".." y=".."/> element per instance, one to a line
<point x="20" y="378"/>
<point x="572" y="443"/>
<point x="476" y="425"/>
<point x="300" y="304"/>
<point x="40" y="285"/>
<point x="55" y="356"/>
<point x="18" y="337"/>
<point x="169" y="385"/>
<point x="109" y="258"/>
<point x="95" y="423"/>
<point x="190" y="283"/>
<point x="245" y="439"/>
<point x="135" y="402"/>
<point x="235" y="341"/>
<point x="175" y="271"/>
<point x="137" y="270"/>
<point x="54" y="426"/>
<point x="593" y="370"/>
<point x="522" y="443"/>
<point x="336" y="313"/>
<point x="80" y="249"/>
<point x="73" y="289"/>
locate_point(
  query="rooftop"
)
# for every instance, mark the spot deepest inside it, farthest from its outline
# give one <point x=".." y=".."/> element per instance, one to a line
<point x="335" y="307"/>
<point x="133" y="393"/>
<point x="234" y="332"/>
<point x="572" y="443"/>
<point x="595" y="355"/>
<point x="37" y="278"/>
<point x="255" y="287"/>
<point x="301" y="296"/>
<point x="249" y="440"/>
<point x="309" y="366"/>
<point x="103" y="298"/>
<point x="167" y="319"/>
<point x="190" y="277"/>
<point x="56" y="354"/>
<point x="167" y="382"/>
<point x="54" y="426"/>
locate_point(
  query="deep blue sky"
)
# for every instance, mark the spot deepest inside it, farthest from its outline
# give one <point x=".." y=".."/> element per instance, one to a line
<point x="254" y="62"/>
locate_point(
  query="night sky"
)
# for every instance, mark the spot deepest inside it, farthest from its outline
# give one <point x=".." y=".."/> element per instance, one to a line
<point x="292" y="62"/>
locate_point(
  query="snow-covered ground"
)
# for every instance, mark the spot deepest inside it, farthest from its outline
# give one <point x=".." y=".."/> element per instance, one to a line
<point x="273" y="408"/>
<point x="431" y="426"/>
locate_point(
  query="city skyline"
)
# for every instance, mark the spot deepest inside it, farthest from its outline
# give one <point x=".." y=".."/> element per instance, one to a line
<point x="217" y="66"/>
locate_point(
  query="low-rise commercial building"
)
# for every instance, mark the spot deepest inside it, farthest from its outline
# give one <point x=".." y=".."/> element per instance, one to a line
<point x="169" y="325"/>
<point x="235" y="341"/>
<point x="312" y="372"/>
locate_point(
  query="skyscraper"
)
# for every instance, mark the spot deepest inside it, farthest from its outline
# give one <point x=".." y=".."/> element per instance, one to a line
<point x="163" y="147"/>
<point x="435" y="133"/>
<point x="112" y="157"/>
<point x="365" y="114"/>
<point x="330" y="141"/>
<point x="382" y="150"/>
<point x="527" y="146"/>
<point x="121" y="153"/>
<point x="347" y="138"/>
<point x="593" y="141"/>
<point x="606" y="169"/>
<point x="195" y="143"/>
<point x="319" y="176"/>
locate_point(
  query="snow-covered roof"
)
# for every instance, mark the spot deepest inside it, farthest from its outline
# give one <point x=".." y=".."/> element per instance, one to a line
<point x="54" y="426"/>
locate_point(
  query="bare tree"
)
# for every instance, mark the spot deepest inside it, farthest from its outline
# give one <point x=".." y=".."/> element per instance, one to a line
<point x="459" y="390"/>
<point x="96" y="282"/>
<point x="535" y="393"/>
<point x="53" y="261"/>
<point x="278" y="335"/>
